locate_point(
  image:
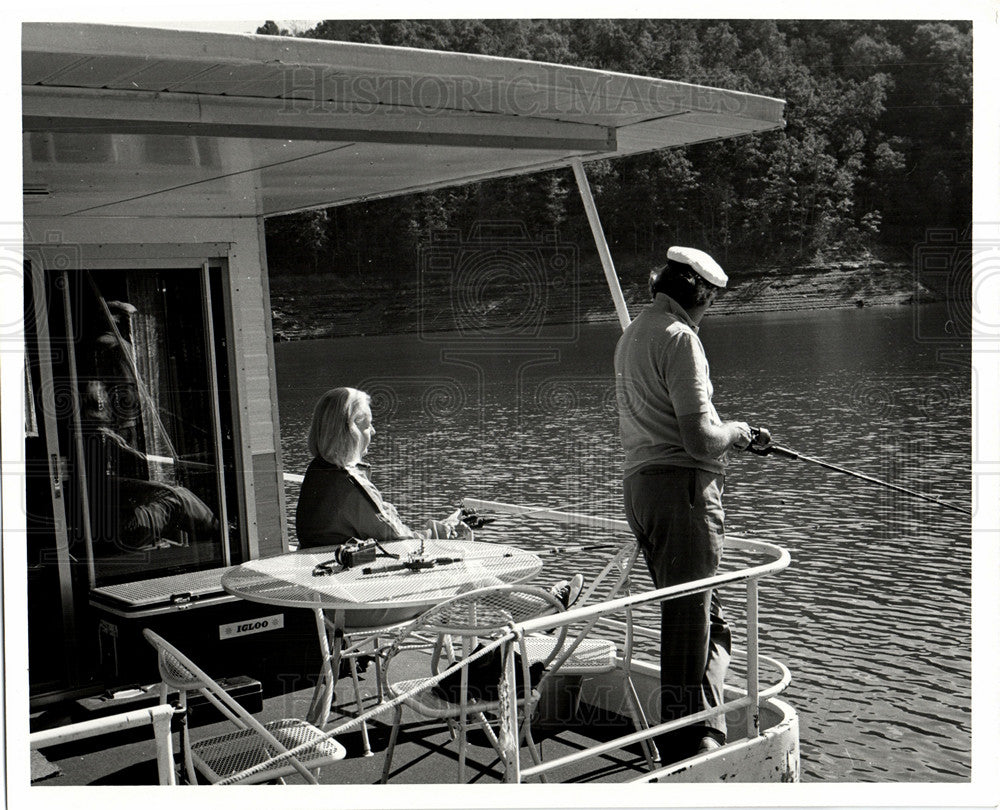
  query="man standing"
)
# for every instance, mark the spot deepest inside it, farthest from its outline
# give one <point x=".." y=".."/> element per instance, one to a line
<point x="675" y="458"/>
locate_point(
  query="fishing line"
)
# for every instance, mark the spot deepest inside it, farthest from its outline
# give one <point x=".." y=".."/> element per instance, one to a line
<point x="534" y="510"/>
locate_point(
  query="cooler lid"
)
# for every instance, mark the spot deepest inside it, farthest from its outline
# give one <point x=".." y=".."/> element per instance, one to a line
<point x="175" y="589"/>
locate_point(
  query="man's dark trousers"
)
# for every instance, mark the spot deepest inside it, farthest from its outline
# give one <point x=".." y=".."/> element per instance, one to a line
<point x="677" y="517"/>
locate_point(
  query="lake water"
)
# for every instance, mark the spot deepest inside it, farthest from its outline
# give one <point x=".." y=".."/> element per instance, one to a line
<point x="873" y="617"/>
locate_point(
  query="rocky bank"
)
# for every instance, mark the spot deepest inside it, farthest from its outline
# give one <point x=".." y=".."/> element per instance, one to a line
<point x="328" y="305"/>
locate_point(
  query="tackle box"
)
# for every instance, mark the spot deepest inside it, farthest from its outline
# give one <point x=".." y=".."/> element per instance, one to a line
<point x="245" y="691"/>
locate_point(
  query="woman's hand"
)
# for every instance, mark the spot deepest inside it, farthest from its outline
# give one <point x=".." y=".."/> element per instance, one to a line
<point x="463" y="531"/>
<point x="450" y="527"/>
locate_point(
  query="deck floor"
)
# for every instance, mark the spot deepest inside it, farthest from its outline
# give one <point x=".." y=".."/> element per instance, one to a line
<point x="425" y="752"/>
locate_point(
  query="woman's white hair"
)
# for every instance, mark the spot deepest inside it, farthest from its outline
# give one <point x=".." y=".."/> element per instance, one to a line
<point x="334" y="435"/>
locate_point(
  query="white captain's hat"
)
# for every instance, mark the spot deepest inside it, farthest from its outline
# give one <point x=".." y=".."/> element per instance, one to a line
<point x="699" y="261"/>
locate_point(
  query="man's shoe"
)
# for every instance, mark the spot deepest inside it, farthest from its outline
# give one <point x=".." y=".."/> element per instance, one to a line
<point x="575" y="589"/>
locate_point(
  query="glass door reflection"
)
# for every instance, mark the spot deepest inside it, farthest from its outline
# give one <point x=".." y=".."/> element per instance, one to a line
<point x="149" y="443"/>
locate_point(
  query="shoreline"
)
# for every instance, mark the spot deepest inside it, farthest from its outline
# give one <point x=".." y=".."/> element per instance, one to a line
<point x="312" y="307"/>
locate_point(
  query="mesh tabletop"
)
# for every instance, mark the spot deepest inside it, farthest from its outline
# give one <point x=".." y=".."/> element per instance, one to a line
<point x="288" y="580"/>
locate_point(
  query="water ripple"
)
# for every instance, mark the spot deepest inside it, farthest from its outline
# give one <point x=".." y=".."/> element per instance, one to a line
<point x="872" y="617"/>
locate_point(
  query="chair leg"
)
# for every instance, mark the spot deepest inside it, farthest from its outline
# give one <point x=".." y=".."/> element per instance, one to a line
<point x="186" y="741"/>
<point x="488" y="731"/>
<point x="319" y="709"/>
<point x="578" y="698"/>
<point x="536" y="755"/>
<point x="461" y="749"/>
<point x="640" y="722"/>
<point x="361" y="708"/>
<point x="378" y="672"/>
<point x="396" y="721"/>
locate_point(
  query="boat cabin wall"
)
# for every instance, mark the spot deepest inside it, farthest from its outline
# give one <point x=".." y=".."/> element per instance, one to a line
<point x="236" y="246"/>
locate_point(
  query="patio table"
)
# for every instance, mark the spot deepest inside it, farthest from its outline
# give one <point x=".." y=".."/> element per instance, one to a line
<point x="376" y="595"/>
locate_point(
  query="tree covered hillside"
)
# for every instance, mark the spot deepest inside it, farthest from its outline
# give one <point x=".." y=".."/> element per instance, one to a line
<point x="877" y="148"/>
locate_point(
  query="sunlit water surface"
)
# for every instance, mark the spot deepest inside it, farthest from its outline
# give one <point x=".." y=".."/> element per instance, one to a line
<point x="872" y="617"/>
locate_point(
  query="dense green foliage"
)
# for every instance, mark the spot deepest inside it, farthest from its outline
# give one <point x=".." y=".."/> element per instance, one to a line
<point x="877" y="147"/>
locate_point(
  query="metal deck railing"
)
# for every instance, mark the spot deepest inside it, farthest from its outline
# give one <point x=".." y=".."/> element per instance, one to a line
<point x="159" y="717"/>
<point x="775" y="559"/>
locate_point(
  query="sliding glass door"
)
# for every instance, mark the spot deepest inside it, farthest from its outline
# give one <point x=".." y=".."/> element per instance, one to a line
<point x="130" y="439"/>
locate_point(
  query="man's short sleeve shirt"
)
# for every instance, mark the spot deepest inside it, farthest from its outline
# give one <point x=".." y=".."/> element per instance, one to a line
<point x="661" y="373"/>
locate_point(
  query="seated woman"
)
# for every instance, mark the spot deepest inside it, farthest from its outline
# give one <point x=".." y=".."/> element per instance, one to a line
<point x="338" y="501"/>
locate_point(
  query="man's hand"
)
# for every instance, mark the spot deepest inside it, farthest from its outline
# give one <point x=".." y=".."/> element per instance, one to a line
<point x="741" y="434"/>
<point x="704" y="438"/>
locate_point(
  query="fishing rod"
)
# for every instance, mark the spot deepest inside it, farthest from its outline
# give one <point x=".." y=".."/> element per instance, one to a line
<point x="767" y="449"/>
<point x="476" y="520"/>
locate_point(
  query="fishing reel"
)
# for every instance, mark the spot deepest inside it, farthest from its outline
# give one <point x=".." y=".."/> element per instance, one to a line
<point x="760" y="441"/>
<point x="471" y="518"/>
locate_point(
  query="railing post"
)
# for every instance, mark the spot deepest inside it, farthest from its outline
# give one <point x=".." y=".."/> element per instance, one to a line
<point x="753" y="664"/>
<point x="164" y="744"/>
<point x="510" y="738"/>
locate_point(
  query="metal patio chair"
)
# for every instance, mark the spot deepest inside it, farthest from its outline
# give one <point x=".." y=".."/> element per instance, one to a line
<point x="450" y="633"/>
<point x="347" y="646"/>
<point x="584" y="656"/>
<point x="253" y="743"/>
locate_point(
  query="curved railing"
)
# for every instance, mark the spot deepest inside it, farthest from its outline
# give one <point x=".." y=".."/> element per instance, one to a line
<point x="775" y="559"/>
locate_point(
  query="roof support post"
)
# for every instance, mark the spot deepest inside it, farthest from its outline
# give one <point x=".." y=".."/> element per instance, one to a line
<point x="602" y="244"/>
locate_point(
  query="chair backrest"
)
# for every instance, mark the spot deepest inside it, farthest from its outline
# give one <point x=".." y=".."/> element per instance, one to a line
<point x="488" y="611"/>
<point x="481" y="614"/>
<point x="618" y="570"/>
<point x="180" y="672"/>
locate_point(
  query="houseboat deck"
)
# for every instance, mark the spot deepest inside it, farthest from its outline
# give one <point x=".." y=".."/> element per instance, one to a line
<point x="426" y="754"/>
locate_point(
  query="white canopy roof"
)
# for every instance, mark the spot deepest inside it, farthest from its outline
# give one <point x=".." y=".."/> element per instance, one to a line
<point x="123" y="121"/>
